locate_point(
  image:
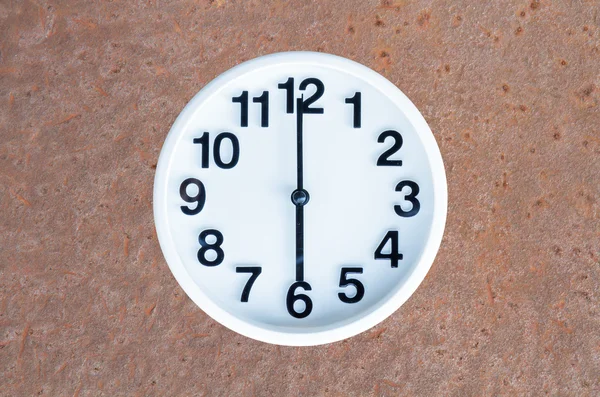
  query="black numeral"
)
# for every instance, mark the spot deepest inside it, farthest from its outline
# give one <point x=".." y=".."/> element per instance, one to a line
<point x="235" y="146"/>
<point x="254" y="271"/>
<point x="199" y="198"/>
<point x="394" y="256"/>
<point x="344" y="281"/>
<point x="384" y="159"/>
<point x="357" y="115"/>
<point x="292" y="298"/>
<point x="288" y="86"/>
<point x="243" y="101"/>
<point x="203" y="140"/>
<point x="264" y="108"/>
<point x="263" y="99"/>
<point x="205" y="247"/>
<point x="320" y="89"/>
<point x="411" y="197"/>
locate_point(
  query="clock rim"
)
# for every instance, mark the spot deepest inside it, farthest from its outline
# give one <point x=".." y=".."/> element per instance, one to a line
<point x="289" y="336"/>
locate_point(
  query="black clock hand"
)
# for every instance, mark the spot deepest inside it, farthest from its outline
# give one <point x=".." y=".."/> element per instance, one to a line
<point x="299" y="196"/>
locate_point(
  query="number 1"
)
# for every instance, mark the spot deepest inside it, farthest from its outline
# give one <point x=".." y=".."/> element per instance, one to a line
<point x="356" y="101"/>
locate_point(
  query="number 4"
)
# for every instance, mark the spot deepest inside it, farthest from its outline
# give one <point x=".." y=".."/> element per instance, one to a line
<point x="394" y="256"/>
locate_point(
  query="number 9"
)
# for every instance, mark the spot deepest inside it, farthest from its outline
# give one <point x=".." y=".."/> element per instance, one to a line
<point x="199" y="198"/>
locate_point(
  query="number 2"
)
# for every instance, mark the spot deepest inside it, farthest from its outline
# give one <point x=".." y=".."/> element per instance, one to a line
<point x="384" y="159"/>
<point x="320" y="89"/>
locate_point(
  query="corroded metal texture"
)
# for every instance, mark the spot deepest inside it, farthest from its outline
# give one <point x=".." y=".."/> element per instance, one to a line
<point x="88" y="92"/>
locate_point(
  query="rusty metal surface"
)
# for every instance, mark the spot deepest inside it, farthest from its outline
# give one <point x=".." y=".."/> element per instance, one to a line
<point x="88" y="92"/>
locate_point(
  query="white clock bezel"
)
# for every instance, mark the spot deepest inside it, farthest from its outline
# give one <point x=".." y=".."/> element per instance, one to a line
<point x="334" y="332"/>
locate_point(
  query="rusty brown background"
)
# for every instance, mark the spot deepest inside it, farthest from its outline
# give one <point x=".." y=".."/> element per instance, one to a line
<point x="88" y="92"/>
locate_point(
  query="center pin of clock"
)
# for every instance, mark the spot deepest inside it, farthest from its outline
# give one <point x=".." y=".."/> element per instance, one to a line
<point x="300" y="197"/>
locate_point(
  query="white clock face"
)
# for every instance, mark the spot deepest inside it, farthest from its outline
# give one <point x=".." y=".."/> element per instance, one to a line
<point x="300" y="198"/>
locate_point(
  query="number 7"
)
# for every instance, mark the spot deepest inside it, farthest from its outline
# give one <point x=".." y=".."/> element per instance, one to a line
<point x="255" y="271"/>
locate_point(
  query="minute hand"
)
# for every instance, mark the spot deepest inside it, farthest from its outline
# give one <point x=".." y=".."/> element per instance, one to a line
<point x="299" y="196"/>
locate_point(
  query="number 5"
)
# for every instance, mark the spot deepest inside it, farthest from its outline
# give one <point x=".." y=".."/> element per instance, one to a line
<point x="360" y="288"/>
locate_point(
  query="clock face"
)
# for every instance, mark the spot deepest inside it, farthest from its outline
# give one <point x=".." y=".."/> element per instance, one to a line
<point x="300" y="198"/>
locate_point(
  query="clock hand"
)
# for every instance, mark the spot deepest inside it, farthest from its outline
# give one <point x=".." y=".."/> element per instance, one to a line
<point x="299" y="196"/>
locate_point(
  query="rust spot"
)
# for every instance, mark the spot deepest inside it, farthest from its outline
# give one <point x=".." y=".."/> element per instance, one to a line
<point x="423" y="18"/>
<point x="556" y="136"/>
<point x="505" y="87"/>
<point x="350" y="29"/>
<point x="522" y="108"/>
<point x="522" y="14"/>
<point x="391" y="384"/>
<point x="490" y="294"/>
<point x="563" y="62"/>
<point x="100" y="91"/>
<point x="535" y="4"/>
<point x="378" y="21"/>
<point x="447" y="68"/>
<point x="21" y="198"/>
<point x="384" y="59"/>
<point x="518" y="31"/>
<point x="457" y="20"/>
<point x="563" y="326"/>
<point x="177" y="27"/>
<point x="150" y="309"/>
<point x="585" y="95"/>
<point x="377" y="333"/>
<point x="23" y="339"/>
<point x="126" y="245"/>
<point x="586" y="91"/>
<point x="65" y="120"/>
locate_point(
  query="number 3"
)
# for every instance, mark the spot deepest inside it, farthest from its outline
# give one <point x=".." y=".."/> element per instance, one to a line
<point x="411" y="198"/>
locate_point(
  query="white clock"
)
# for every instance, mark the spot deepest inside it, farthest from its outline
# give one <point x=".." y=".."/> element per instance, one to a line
<point x="300" y="198"/>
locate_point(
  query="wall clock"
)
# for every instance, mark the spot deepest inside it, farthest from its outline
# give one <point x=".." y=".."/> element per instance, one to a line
<point x="300" y="198"/>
